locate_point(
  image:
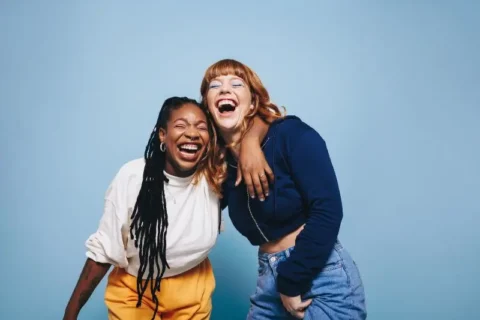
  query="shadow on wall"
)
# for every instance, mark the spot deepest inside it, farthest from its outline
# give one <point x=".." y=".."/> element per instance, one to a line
<point x="235" y="265"/>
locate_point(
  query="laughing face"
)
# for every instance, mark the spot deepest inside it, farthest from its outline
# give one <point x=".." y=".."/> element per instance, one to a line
<point x="186" y="138"/>
<point x="229" y="100"/>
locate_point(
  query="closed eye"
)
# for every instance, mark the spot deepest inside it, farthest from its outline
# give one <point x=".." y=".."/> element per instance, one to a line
<point x="214" y="84"/>
<point x="237" y="83"/>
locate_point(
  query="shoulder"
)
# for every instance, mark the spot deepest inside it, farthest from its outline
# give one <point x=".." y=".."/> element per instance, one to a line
<point x="292" y="130"/>
<point x="127" y="180"/>
<point x="132" y="170"/>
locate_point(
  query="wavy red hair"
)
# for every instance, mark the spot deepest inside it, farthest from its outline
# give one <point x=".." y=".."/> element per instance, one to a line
<point x="263" y="107"/>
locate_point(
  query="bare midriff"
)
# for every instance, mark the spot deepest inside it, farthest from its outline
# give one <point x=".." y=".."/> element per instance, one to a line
<point x="281" y="244"/>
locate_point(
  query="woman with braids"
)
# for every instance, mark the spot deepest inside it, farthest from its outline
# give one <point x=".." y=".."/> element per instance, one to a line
<point x="304" y="271"/>
<point x="161" y="219"/>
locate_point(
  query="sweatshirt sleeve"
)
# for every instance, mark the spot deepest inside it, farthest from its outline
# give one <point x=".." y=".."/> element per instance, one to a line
<point x="106" y="245"/>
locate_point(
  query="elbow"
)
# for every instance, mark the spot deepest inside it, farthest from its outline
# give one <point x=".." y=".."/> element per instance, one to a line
<point x="340" y="215"/>
<point x="336" y="209"/>
<point x="330" y="218"/>
<point x="103" y="251"/>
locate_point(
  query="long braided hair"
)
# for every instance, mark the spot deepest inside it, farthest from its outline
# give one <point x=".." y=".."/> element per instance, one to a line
<point x="149" y="221"/>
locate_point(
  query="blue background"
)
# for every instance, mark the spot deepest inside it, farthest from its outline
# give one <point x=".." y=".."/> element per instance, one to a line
<point x="393" y="87"/>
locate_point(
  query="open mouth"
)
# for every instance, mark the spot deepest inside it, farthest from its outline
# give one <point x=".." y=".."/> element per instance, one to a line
<point x="226" y="106"/>
<point x="191" y="148"/>
<point x="189" y="151"/>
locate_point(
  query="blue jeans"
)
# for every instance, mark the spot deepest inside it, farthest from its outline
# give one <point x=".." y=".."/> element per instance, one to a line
<point x="337" y="292"/>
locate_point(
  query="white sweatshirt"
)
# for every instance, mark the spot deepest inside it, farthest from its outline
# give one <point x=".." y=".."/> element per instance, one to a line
<point x="193" y="219"/>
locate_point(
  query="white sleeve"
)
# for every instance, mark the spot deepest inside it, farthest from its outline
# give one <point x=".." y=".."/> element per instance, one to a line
<point x="107" y="245"/>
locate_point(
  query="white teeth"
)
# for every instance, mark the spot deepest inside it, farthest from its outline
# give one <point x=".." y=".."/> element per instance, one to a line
<point x="192" y="147"/>
<point x="226" y="101"/>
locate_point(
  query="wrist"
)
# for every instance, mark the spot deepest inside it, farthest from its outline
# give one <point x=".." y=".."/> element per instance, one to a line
<point x="70" y="315"/>
<point x="251" y="140"/>
<point x="71" y="311"/>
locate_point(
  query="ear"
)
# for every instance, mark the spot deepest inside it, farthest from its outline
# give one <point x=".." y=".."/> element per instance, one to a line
<point x="252" y="104"/>
<point x="161" y="134"/>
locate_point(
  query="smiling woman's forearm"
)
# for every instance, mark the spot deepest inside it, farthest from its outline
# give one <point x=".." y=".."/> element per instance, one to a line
<point x="91" y="275"/>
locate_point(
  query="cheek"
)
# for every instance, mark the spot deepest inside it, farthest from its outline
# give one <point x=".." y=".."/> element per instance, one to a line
<point x="205" y="137"/>
<point x="248" y="97"/>
<point x="210" y="101"/>
<point x="171" y="146"/>
<point x="171" y="138"/>
<point x="245" y="97"/>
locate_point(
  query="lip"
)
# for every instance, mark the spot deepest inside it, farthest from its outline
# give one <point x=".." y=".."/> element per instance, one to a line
<point x="234" y="101"/>
<point x="190" y="157"/>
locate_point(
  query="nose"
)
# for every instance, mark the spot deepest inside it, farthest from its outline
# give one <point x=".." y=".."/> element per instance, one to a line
<point x="225" y="88"/>
<point x="192" y="133"/>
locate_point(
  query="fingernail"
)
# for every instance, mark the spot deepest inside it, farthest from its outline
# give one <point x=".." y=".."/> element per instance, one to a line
<point x="261" y="199"/>
<point x="266" y="194"/>
<point x="252" y="196"/>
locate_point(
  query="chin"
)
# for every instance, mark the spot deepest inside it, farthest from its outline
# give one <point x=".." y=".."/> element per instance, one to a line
<point x="186" y="169"/>
<point x="185" y="166"/>
<point x="228" y="126"/>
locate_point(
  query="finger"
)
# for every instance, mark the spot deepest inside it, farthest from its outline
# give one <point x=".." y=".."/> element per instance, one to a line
<point x="249" y="183"/>
<point x="269" y="173"/>
<point x="239" y="176"/>
<point x="299" y="314"/>
<point x="258" y="186"/>
<point x="304" y="304"/>
<point x="264" y="181"/>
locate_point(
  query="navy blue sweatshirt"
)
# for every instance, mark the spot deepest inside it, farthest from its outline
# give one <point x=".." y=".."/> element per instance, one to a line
<point x="305" y="191"/>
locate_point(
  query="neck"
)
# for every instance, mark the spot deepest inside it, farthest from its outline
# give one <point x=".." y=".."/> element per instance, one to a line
<point x="232" y="140"/>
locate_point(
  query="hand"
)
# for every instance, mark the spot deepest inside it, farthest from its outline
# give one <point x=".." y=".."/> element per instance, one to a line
<point x="254" y="169"/>
<point x="295" y="306"/>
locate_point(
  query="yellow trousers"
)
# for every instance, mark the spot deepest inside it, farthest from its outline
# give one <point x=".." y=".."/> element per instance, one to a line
<point x="185" y="296"/>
